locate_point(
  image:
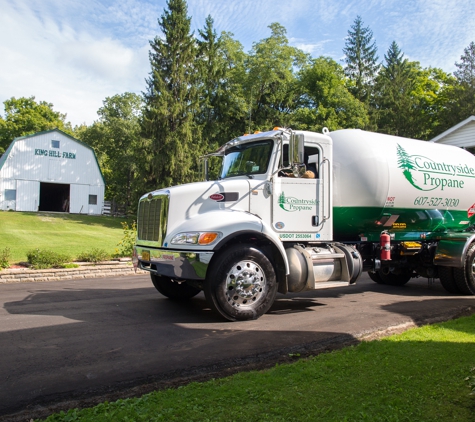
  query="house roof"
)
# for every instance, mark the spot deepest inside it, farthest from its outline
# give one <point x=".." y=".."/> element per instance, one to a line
<point x="453" y="129"/>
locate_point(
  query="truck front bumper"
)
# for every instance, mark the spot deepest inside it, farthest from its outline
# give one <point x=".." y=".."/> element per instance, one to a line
<point x="185" y="265"/>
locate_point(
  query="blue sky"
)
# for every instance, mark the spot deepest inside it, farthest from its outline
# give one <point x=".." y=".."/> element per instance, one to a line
<point x="74" y="53"/>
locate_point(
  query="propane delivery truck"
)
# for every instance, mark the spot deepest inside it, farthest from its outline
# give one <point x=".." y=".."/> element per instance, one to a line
<point x="293" y="211"/>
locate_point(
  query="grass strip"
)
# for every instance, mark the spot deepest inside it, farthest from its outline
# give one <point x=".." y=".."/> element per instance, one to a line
<point x="420" y="375"/>
<point x="69" y="234"/>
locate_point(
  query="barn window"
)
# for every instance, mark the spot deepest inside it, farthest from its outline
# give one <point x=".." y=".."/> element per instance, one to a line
<point x="10" y="194"/>
<point x="92" y="199"/>
<point x="54" y="144"/>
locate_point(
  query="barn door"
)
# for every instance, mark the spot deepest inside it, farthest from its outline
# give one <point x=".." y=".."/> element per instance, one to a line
<point x="27" y="195"/>
<point x="79" y="199"/>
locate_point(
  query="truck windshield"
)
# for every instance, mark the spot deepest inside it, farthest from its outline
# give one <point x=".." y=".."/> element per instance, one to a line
<point x="247" y="159"/>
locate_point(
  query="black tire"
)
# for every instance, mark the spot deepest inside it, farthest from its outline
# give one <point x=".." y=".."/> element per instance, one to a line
<point x="375" y="277"/>
<point x="446" y="276"/>
<point x="465" y="276"/>
<point x="242" y="284"/>
<point x="390" y="279"/>
<point x="173" y="289"/>
<point x="393" y="279"/>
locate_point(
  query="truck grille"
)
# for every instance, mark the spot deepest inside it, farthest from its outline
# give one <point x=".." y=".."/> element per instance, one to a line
<point x="152" y="218"/>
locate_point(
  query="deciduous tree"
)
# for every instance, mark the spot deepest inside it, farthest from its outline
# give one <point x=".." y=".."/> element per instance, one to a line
<point x="326" y="101"/>
<point x="25" y="116"/>
<point x="117" y="141"/>
<point x="271" y="87"/>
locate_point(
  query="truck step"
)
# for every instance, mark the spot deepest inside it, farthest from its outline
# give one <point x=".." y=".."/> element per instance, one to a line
<point x="330" y="284"/>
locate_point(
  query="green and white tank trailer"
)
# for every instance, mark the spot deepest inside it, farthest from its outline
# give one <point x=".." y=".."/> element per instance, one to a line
<point x="297" y="210"/>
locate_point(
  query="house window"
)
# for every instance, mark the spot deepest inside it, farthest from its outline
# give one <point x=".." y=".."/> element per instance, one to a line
<point x="92" y="199"/>
<point x="10" y="194"/>
<point x="54" y="144"/>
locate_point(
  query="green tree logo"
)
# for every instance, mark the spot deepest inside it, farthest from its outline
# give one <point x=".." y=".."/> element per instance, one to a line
<point x="407" y="165"/>
<point x="282" y="201"/>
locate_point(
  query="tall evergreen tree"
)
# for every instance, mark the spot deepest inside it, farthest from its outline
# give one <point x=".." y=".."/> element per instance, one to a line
<point x="465" y="72"/>
<point x="361" y="59"/>
<point x="211" y="74"/>
<point x="393" y="102"/>
<point x="171" y="100"/>
<point x="408" y="99"/>
<point x="221" y="69"/>
<point x="461" y="95"/>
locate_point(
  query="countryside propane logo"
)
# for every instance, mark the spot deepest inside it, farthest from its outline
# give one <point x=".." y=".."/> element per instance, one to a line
<point x="426" y="174"/>
<point x="291" y="204"/>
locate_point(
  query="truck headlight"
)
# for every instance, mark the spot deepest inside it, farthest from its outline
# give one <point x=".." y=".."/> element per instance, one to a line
<point x="195" y="238"/>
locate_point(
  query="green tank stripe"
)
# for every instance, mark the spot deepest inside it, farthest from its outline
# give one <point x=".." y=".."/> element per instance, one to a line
<point x="350" y="223"/>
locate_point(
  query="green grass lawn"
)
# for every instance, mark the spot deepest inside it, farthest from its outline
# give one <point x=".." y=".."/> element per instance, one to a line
<point x="70" y="234"/>
<point x="420" y="375"/>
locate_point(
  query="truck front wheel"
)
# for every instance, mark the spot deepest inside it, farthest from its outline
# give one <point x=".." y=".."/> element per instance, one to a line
<point x="465" y="276"/>
<point x="242" y="284"/>
<point x="173" y="289"/>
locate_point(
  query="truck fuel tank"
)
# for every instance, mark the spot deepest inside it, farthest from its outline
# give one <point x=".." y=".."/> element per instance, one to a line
<point x="322" y="266"/>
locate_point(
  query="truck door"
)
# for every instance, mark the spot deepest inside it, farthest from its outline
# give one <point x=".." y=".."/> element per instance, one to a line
<point x="296" y="205"/>
<point x="301" y="208"/>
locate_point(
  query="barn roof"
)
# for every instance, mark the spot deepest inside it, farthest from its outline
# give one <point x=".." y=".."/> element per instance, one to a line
<point x="4" y="157"/>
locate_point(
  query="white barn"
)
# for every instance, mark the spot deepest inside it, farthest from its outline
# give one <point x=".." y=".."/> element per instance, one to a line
<point x="461" y="135"/>
<point x="51" y="171"/>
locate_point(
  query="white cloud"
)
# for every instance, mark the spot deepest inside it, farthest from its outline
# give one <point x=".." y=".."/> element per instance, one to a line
<point x="65" y="65"/>
<point x="75" y="54"/>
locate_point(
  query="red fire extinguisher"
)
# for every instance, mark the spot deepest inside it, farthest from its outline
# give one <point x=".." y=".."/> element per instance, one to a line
<point x="385" y="242"/>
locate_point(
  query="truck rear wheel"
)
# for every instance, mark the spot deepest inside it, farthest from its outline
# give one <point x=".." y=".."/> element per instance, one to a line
<point x="242" y="284"/>
<point x="391" y="279"/>
<point x="173" y="289"/>
<point x="465" y="276"/>
<point x="446" y="276"/>
<point x="375" y="277"/>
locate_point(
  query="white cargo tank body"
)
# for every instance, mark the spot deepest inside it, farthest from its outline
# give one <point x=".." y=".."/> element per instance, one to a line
<point x="400" y="184"/>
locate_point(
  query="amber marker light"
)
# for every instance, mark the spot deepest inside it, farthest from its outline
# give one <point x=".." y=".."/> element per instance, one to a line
<point x="207" y="238"/>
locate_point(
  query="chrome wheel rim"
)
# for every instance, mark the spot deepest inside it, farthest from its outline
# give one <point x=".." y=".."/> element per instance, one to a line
<point x="245" y="284"/>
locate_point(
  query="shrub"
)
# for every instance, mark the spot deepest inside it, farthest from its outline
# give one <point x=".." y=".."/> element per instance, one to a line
<point x="70" y="265"/>
<point x="46" y="259"/>
<point x="94" y="255"/>
<point x="5" y="258"/>
<point x="126" y="245"/>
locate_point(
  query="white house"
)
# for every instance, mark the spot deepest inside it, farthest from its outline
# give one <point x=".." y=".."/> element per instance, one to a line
<point x="461" y="135"/>
<point x="51" y="171"/>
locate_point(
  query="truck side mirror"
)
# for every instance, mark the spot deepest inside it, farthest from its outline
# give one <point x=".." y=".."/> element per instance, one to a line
<point x="205" y="169"/>
<point x="296" y="154"/>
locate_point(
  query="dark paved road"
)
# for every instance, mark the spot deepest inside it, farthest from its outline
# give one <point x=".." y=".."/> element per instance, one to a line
<point x="81" y="338"/>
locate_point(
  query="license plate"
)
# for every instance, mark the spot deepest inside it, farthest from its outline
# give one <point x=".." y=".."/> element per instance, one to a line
<point x="145" y="255"/>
